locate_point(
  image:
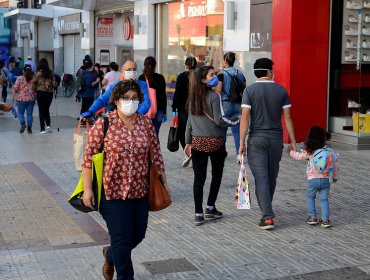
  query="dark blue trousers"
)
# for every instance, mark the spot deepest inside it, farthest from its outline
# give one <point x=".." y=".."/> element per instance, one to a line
<point x="127" y="221"/>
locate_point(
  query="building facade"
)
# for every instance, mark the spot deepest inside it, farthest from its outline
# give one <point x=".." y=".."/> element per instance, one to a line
<point x="320" y="50"/>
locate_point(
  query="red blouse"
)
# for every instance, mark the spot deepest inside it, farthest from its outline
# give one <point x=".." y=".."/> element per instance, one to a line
<point x="126" y="167"/>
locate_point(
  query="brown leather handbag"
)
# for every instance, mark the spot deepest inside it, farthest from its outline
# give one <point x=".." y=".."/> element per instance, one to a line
<point x="159" y="198"/>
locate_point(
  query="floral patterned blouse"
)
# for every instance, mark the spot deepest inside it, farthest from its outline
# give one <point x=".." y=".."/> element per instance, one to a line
<point x="126" y="167"/>
<point x="25" y="89"/>
<point x="42" y="84"/>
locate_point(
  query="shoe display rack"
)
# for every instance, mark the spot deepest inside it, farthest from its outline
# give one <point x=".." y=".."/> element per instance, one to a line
<point x="356" y="32"/>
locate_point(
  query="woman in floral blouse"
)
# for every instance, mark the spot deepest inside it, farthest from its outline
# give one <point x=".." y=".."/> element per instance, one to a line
<point x="26" y="98"/>
<point x="124" y="202"/>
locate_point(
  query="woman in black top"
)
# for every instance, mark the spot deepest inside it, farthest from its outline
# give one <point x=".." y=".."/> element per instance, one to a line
<point x="180" y="98"/>
<point x="157" y="82"/>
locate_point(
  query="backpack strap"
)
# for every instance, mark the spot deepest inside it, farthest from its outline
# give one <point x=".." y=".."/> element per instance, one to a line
<point x="106" y="126"/>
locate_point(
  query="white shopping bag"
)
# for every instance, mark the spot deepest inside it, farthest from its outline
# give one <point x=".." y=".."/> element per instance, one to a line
<point x="242" y="197"/>
<point x="79" y="141"/>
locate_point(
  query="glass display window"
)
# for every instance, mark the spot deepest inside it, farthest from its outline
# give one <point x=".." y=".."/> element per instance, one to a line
<point x="190" y="28"/>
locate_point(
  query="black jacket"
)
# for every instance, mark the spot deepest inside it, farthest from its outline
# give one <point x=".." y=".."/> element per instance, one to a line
<point x="180" y="96"/>
<point x="159" y="84"/>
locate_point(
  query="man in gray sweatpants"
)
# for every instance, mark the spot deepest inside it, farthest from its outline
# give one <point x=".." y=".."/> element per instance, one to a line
<point x="262" y="106"/>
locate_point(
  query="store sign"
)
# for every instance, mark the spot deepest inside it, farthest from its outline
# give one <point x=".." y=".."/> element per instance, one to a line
<point x="104" y="27"/>
<point x="127" y="28"/>
<point x="193" y="10"/>
<point x="69" y="24"/>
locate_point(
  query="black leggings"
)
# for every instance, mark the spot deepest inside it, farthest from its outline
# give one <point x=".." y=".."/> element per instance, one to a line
<point x="200" y="161"/>
<point x="86" y="103"/>
<point x="44" y="99"/>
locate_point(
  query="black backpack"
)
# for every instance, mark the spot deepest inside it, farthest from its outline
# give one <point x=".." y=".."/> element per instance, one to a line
<point x="236" y="88"/>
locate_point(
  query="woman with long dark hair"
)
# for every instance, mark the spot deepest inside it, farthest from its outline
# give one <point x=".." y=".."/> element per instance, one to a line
<point x="205" y="139"/>
<point x="26" y="98"/>
<point x="180" y="98"/>
<point x="157" y="82"/>
<point x="44" y="84"/>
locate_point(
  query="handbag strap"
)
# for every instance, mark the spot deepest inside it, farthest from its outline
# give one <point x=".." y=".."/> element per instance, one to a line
<point x="208" y="116"/>
<point x="151" y="152"/>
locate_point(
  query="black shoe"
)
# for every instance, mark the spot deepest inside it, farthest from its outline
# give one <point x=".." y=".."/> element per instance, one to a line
<point x="266" y="224"/>
<point x="198" y="220"/>
<point x="212" y="214"/>
<point x="29" y="130"/>
<point x="23" y="128"/>
<point x="311" y="221"/>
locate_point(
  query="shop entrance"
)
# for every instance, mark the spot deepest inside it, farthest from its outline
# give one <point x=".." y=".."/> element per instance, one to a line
<point x="349" y="81"/>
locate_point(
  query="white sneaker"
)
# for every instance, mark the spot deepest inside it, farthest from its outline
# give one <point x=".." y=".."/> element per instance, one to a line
<point x="366" y="31"/>
<point x="186" y="161"/>
<point x="365" y="44"/>
<point x="349" y="31"/>
<point x="48" y="128"/>
<point x="42" y="132"/>
<point x="353" y="5"/>
<point x="350" y="57"/>
<point x="351" y="45"/>
<point x="353" y="104"/>
<point x="366" y="4"/>
<point x="352" y="19"/>
<point x="365" y="57"/>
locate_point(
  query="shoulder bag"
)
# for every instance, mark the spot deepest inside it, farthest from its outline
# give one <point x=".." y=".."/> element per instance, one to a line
<point x="153" y="101"/>
<point x="159" y="198"/>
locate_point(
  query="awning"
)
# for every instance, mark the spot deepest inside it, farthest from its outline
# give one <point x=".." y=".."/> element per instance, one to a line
<point x="30" y="14"/>
<point x="99" y="6"/>
<point x="87" y="5"/>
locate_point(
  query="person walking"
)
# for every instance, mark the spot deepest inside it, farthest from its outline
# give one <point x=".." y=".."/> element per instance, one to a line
<point x="26" y="98"/>
<point x="231" y="108"/>
<point x="44" y="84"/>
<point x="124" y="201"/>
<point x="157" y="82"/>
<point x="180" y="98"/>
<point x="5" y="80"/>
<point x="89" y="84"/>
<point x="128" y="71"/>
<point x="11" y="64"/>
<point x="263" y="104"/>
<point x="318" y="180"/>
<point x="31" y="63"/>
<point x="112" y="76"/>
<point x="205" y="139"/>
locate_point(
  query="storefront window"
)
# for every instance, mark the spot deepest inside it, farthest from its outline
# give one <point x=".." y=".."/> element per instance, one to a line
<point x="349" y="96"/>
<point x="190" y="28"/>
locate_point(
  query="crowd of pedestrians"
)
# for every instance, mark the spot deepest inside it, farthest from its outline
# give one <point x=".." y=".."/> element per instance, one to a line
<point x="207" y="102"/>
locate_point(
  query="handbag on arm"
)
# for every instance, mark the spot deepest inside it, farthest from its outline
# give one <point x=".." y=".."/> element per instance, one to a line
<point x="159" y="198"/>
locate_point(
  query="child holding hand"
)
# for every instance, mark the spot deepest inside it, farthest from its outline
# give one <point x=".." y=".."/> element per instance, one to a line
<point x="322" y="169"/>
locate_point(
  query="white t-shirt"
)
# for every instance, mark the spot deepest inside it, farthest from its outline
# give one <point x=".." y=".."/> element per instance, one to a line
<point x="112" y="77"/>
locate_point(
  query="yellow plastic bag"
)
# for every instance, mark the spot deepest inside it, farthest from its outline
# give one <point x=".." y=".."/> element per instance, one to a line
<point x="97" y="182"/>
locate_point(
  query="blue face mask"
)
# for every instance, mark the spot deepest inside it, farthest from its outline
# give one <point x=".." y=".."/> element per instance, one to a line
<point x="213" y="82"/>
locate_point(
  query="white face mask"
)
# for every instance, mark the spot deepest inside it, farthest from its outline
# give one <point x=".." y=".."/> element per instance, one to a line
<point x="128" y="108"/>
<point x="130" y="75"/>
